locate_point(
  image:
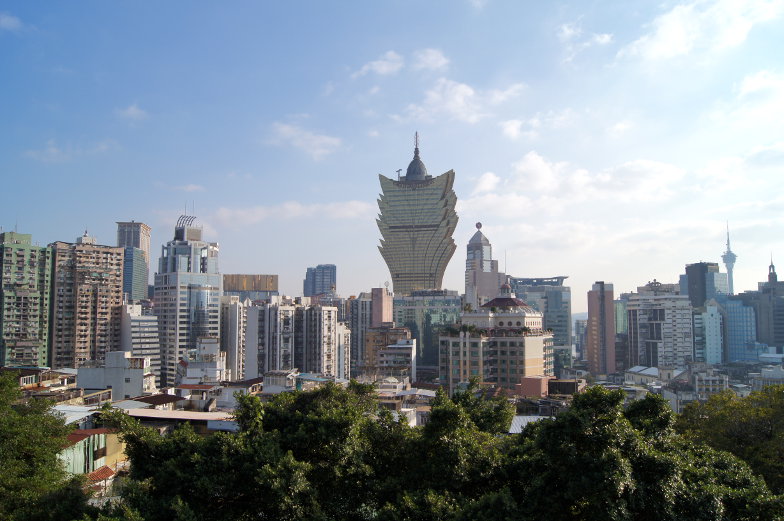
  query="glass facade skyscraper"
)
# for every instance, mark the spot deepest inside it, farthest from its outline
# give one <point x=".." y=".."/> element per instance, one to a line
<point x="188" y="288"/>
<point x="416" y="220"/>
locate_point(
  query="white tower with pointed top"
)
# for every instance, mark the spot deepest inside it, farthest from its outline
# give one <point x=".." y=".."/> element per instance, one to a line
<point x="729" y="259"/>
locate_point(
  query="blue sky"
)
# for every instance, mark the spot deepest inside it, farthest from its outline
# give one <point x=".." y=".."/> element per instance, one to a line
<point x="600" y="140"/>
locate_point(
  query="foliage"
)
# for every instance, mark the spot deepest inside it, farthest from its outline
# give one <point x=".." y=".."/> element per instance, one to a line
<point x="330" y="454"/>
<point x="751" y="428"/>
<point x="33" y="482"/>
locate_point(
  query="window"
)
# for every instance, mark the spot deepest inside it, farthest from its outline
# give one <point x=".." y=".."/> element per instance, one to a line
<point x="127" y="380"/>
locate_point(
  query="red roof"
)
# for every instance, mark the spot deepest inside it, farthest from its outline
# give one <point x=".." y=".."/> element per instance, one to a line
<point x="81" y="434"/>
<point x="100" y="474"/>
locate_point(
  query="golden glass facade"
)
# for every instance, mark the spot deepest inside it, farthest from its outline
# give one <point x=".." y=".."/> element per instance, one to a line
<point x="416" y="221"/>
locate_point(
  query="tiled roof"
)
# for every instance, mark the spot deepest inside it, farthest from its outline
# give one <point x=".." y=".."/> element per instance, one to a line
<point x="196" y="387"/>
<point x="100" y="474"/>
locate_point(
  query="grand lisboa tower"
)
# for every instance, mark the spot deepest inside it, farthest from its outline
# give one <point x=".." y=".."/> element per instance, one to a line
<point x="416" y="220"/>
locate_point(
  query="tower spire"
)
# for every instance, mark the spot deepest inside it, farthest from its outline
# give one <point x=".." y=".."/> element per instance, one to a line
<point x="729" y="259"/>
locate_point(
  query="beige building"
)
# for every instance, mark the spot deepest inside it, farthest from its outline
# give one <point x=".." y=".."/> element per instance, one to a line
<point x="86" y="301"/>
<point x="499" y="345"/>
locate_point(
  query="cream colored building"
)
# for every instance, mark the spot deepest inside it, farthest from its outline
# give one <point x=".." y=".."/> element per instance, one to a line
<point x="499" y="345"/>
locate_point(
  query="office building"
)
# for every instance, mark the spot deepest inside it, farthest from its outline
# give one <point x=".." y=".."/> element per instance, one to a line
<point x="768" y="304"/>
<point x="416" y="220"/>
<point x="253" y="287"/>
<point x="425" y="313"/>
<point x="135" y="275"/>
<point x="321" y="280"/>
<point x="499" y="344"/>
<point x="740" y="330"/>
<point x="552" y="299"/>
<point x="135" y="235"/>
<point x="482" y="278"/>
<point x="702" y="281"/>
<point x="660" y="330"/>
<point x="289" y="333"/>
<point x="600" y="330"/>
<point x="87" y="296"/>
<point x="363" y="312"/>
<point x="188" y="287"/>
<point x="139" y="335"/>
<point x="24" y="301"/>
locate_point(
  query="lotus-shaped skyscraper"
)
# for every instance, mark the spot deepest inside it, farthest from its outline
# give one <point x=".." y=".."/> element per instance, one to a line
<point x="416" y="220"/>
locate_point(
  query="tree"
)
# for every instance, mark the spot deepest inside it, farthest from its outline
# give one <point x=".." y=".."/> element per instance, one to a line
<point x="751" y="428"/>
<point x="33" y="482"/>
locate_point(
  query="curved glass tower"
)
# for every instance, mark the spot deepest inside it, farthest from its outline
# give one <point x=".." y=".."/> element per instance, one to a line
<point x="416" y="220"/>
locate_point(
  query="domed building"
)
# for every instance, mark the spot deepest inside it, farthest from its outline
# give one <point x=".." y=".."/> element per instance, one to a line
<point x="416" y="220"/>
<point x="499" y="344"/>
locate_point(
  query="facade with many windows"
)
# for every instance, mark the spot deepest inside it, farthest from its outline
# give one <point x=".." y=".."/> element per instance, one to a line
<point x="499" y="344"/>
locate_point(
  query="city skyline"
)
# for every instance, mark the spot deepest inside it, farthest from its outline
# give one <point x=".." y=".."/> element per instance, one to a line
<point x="612" y="143"/>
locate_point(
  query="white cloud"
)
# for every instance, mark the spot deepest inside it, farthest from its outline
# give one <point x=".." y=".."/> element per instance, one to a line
<point x="294" y="210"/>
<point x="571" y="36"/>
<point x="706" y="26"/>
<point x="318" y="146"/>
<point x="9" y="22"/>
<point x="620" y="128"/>
<point x="478" y="4"/>
<point x="487" y="182"/>
<point x="53" y="152"/>
<point x="460" y="101"/>
<point x="373" y="133"/>
<point x="758" y="104"/>
<point x="132" y="113"/>
<point x="389" y="63"/>
<point x="530" y="128"/>
<point x="431" y="59"/>
<point x="189" y="188"/>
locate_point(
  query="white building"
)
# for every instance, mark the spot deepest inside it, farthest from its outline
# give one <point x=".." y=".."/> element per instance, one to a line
<point x="288" y="333"/>
<point x="139" y="336"/>
<point x="204" y="365"/>
<point x="234" y="322"/>
<point x="660" y="330"/>
<point x="125" y="375"/>
<point x="771" y="375"/>
<point x="188" y="288"/>
<point x="709" y="334"/>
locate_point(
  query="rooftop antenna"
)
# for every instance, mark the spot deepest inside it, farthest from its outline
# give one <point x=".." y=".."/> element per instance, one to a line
<point x="398" y="173"/>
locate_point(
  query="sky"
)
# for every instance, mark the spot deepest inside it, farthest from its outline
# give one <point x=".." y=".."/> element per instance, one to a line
<point x="601" y="140"/>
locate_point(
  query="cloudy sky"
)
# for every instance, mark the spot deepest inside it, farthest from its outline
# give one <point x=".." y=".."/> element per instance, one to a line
<point x="600" y="140"/>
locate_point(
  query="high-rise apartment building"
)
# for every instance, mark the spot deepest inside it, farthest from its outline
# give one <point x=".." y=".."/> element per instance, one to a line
<point x="377" y="339"/>
<point x="188" y="287"/>
<point x="416" y="220"/>
<point x="554" y="300"/>
<point x="499" y="344"/>
<point x="87" y="294"/>
<point x="768" y="304"/>
<point x="600" y="330"/>
<point x="482" y="278"/>
<point x="234" y="321"/>
<point x="660" y="330"/>
<point x="135" y="235"/>
<point x="287" y="333"/>
<point x="320" y="280"/>
<point x="24" y="301"/>
<point x="708" y="333"/>
<point x="139" y="335"/>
